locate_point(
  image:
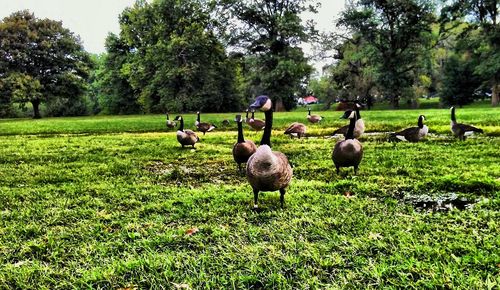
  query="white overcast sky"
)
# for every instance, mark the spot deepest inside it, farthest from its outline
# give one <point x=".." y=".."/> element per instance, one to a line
<point x="92" y="20"/>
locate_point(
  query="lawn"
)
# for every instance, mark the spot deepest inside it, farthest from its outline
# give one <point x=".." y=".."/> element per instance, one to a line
<point x="114" y="202"/>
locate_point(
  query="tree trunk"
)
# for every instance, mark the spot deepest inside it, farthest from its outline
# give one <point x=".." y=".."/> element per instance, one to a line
<point x="395" y="102"/>
<point x="495" y="94"/>
<point x="36" y="109"/>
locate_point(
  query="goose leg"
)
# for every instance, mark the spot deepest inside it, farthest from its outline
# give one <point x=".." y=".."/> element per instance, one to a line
<point x="239" y="167"/>
<point x="255" y="198"/>
<point x="282" y="197"/>
<point x="355" y="170"/>
<point x="182" y="145"/>
<point x="338" y="169"/>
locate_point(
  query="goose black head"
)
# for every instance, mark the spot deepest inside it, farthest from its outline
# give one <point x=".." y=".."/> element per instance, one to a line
<point x="238" y="119"/>
<point x="178" y="118"/>
<point x="263" y="103"/>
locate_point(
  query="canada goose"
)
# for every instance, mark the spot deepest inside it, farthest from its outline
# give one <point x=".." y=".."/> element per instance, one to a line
<point x="313" y="118"/>
<point x="256" y="124"/>
<point x="267" y="170"/>
<point x="413" y="134"/>
<point x="296" y="129"/>
<point x="170" y="124"/>
<point x="225" y="122"/>
<point x="203" y="127"/>
<point x="242" y="149"/>
<point x="348" y="152"/>
<point x="246" y="118"/>
<point x="185" y="137"/>
<point x="359" y="127"/>
<point x="461" y="130"/>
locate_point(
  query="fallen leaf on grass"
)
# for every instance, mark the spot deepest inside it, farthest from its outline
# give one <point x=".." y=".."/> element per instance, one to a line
<point x="181" y="286"/>
<point x="128" y="288"/>
<point x="192" y="231"/>
<point x="375" y="236"/>
<point x="19" y="264"/>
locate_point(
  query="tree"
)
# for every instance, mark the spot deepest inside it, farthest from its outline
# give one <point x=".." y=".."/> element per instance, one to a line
<point x="399" y="31"/>
<point x="460" y="82"/>
<point x="270" y="31"/>
<point x="40" y="61"/>
<point x="172" y="59"/>
<point x="483" y="36"/>
<point x="116" y="95"/>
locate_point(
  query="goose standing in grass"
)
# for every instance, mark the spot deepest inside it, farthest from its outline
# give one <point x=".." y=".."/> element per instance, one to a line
<point x="267" y="170"/>
<point x="462" y="130"/>
<point x="359" y="128"/>
<point x="413" y="134"/>
<point x="256" y="124"/>
<point x="203" y="127"/>
<point x="313" y="118"/>
<point x="348" y="152"/>
<point x="185" y="137"/>
<point x="170" y="124"/>
<point x="243" y="149"/>
<point x="296" y="129"/>
<point x="225" y="122"/>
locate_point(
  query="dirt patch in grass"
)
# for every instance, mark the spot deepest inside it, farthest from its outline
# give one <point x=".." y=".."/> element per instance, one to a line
<point x="439" y="203"/>
<point x="195" y="174"/>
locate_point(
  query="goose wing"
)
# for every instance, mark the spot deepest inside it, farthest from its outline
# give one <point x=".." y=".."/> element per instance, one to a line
<point x="342" y="130"/>
<point x="468" y="128"/>
<point x="295" y="128"/>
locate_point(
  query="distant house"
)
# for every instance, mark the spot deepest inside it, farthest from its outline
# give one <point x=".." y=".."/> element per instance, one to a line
<point x="307" y="100"/>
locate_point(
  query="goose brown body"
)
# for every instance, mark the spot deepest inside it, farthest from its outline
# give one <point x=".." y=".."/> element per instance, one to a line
<point x="242" y="149"/>
<point x="256" y="124"/>
<point x="313" y="118"/>
<point x="296" y="129"/>
<point x="461" y="130"/>
<point x="268" y="170"/>
<point x="170" y="124"/>
<point x="185" y="137"/>
<point x="348" y="152"/>
<point x="203" y="127"/>
<point x="359" y="127"/>
<point x="413" y="134"/>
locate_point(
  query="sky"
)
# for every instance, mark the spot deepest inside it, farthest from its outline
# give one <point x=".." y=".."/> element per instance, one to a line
<point x="92" y="20"/>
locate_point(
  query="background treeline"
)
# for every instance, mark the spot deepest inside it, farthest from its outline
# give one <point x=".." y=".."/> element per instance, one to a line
<point x="191" y="55"/>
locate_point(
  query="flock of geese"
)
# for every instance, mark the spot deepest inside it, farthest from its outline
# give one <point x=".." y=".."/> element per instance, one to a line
<point x="269" y="170"/>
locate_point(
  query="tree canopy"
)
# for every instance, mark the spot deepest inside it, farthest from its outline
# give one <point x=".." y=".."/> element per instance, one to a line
<point x="40" y="61"/>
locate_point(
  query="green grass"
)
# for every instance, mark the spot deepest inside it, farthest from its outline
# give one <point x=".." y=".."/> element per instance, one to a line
<point x="105" y="202"/>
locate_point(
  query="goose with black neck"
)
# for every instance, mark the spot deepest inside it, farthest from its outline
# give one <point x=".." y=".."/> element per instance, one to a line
<point x="185" y="137"/>
<point x="348" y="152"/>
<point x="267" y="170"/>
<point x="243" y="149"/>
<point x="462" y="131"/>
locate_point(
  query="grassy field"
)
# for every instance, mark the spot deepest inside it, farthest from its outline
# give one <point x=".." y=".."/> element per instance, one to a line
<point x="114" y="202"/>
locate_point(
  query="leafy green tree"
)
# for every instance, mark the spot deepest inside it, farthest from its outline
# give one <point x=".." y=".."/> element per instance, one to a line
<point x="399" y="31"/>
<point x="40" y="61"/>
<point x="459" y="82"/>
<point x="482" y="35"/>
<point x="173" y="59"/>
<point x="270" y="31"/>
<point x="115" y="93"/>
